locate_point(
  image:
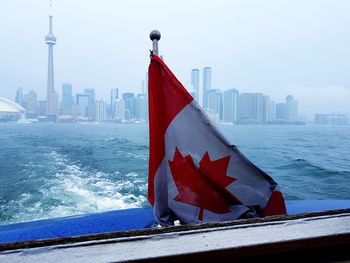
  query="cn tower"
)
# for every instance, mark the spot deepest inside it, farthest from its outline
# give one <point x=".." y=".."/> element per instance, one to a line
<point x="51" y="97"/>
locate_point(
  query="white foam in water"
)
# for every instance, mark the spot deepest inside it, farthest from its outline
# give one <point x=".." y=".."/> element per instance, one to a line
<point x="74" y="190"/>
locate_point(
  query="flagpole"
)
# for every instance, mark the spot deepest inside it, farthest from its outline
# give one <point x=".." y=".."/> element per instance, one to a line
<point x="155" y="36"/>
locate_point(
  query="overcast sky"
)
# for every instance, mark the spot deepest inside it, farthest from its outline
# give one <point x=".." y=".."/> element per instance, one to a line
<point x="298" y="47"/>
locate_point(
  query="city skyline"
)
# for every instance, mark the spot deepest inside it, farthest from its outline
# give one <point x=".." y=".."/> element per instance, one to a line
<point x="257" y="47"/>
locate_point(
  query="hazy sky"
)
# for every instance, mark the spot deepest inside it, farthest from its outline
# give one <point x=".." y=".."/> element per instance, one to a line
<point x="298" y="47"/>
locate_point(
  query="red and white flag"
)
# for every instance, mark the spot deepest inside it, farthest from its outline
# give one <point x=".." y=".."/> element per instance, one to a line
<point x="195" y="174"/>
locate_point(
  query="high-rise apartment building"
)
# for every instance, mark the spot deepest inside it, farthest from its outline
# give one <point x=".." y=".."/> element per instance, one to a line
<point x="141" y="107"/>
<point x="230" y="106"/>
<point x="195" y="83"/>
<point x="90" y="92"/>
<point x="67" y="99"/>
<point x="252" y="108"/>
<point x="114" y="97"/>
<point x="83" y="100"/>
<point x="292" y="108"/>
<point x="30" y="104"/>
<point x="100" y="110"/>
<point x="19" y="96"/>
<point x="287" y="110"/>
<point x="119" y="111"/>
<point x="206" y="85"/>
<point x="215" y="102"/>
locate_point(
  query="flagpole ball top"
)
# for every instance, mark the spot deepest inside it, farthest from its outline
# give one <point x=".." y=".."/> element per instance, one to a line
<point x="155" y="34"/>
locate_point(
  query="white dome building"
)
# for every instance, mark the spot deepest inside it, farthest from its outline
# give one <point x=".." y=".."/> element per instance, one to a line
<point x="11" y="110"/>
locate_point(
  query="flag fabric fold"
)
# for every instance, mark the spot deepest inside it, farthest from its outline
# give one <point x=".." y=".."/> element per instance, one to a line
<point x="195" y="174"/>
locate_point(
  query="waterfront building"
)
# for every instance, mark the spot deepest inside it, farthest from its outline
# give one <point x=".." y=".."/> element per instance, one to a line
<point x="67" y="99"/>
<point x="265" y="108"/>
<point x="287" y="110"/>
<point x="83" y="100"/>
<point x="41" y="108"/>
<point x="195" y="83"/>
<point x="51" y="95"/>
<point x="90" y="92"/>
<point x="119" y="111"/>
<point x="129" y="105"/>
<point x="114" y="97"/>
<point x="292" y="108"/>
<point x="30" y="104"/>
<point x="141" y="107"/>
<point x="251" y="108"/>
<point x="19" y="96"/>
<point x="230" y="101"/>
<point x="100" y="110"/>
<point x="272" y="111"/>
<point x="206" y="85"/>
<point x="215" y="102"/>
<point x="331" y="119"/>
<point x="281" y="111"/>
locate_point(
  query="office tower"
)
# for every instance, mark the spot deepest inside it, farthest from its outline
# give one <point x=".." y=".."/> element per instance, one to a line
<point x="215" y="102"/>
<point x="119" y="111"/>
<point x="141" y="107"/>
<point x="67" y="99"/>
<point x="265" y="108"/>
<point x="292" y="108"/>
<point x="251" y="108"/>
<point x="230" y="102"/>
<point x="30" y="103"/>
<point x="287" y="110"/>
<point x="83" y="101"/>
<point x="19" y="96"/>
<point x="41" y="108"/>
<point x="129" y="105"/>
<point x="51" y="96"/>
<point x="195" y="83"/>
<point x="281" y="111"/>
<point x="206" y="85"/>
<point x="114" y="97"/>
<point x="272" y="111"/>
<point x="100" y="110"/>
<point x="90" y="92"/>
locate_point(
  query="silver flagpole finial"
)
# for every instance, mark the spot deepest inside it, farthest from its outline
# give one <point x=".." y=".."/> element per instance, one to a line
<point x="155" y="36"/>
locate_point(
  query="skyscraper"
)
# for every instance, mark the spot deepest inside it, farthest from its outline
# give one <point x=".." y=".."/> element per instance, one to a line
<point x="100" y="110"/>
<point x="195" y="83"/>
<point x="19" y="96"/>
<point x="251" y="108"/>
<point x="67" y="99"/>
<point x="30" y="102"/>
<point x="230" y="105"/>
<point x="51" y="96"/>
<point x="90" y="92"/>
<point x="114" y="97"/>
<point x="129" y="105"/>
<point x="206" y="85"/>
<point x="292" y="108"/>
<point x="288" y="110"/>
<point x="119" y="111"/>
<point x="215" y="102"/>
<point x="83" y="101"/>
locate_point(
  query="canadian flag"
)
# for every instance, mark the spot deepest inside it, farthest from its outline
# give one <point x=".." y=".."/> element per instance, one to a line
<point x="195" y="174"/>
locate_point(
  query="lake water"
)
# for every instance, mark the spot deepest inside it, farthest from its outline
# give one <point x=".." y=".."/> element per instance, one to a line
<point x="54" y="170"/>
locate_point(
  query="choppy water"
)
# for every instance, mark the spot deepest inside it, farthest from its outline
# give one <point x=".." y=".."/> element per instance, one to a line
<point x="53" y="170"/>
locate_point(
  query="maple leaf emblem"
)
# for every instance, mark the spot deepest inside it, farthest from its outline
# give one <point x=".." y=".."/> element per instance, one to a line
<point x="204" y="187"/>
